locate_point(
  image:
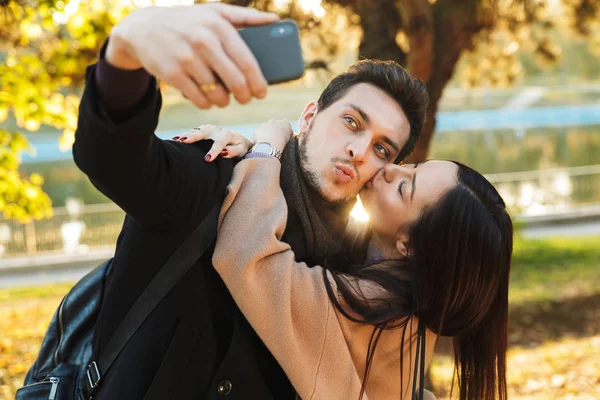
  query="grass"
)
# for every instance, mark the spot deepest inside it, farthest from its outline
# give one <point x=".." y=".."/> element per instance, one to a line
<point x="546" y="361"/>
<point x="563" y="369"/>
<point x="35" y="292"/>
<point x="552" y="269"/>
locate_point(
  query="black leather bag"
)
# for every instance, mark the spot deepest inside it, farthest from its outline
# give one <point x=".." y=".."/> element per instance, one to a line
<point x="67" y="346"/>
<point x="64" y="368"/>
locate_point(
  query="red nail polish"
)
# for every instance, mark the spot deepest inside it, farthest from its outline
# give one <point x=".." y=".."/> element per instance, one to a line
<point x="175" y="137"/>
<point x="207" y="158"/>
<point x="224" y="152"/>
<point x="183" y="138"/>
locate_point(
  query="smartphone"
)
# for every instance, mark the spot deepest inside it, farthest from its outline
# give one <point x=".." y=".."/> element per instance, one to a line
<point x="277" y="49"/>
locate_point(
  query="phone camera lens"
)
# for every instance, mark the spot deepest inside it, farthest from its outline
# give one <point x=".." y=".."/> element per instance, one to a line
<point x="281" y="31"/>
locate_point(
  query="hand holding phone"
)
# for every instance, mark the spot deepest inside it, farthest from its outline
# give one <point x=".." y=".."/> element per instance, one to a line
<point x="190" y="48"/>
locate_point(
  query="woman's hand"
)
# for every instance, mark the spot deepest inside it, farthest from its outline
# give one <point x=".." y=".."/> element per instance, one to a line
<point x="226" y="143"/>
<point x="276" y="132"/>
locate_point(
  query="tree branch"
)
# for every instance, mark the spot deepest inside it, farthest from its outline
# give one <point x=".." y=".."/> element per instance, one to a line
<point x="242" y="3"/>
<point x="455" y="28"/>
<point x="380" y="23"/>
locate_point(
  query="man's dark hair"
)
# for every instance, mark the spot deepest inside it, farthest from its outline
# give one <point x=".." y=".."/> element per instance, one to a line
<point x="408" y="90"/>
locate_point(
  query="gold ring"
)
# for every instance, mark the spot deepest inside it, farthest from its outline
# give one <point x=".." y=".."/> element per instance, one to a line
<point x="209" y="87"/>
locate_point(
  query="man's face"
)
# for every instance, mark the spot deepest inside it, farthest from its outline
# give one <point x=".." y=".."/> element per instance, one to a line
<point x="345" y="145"/>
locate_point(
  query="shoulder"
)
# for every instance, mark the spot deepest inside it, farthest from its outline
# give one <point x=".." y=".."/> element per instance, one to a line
<point x="192" y="157"/>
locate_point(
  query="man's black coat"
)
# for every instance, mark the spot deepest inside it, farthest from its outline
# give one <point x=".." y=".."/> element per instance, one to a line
<point x="196" y="344"/>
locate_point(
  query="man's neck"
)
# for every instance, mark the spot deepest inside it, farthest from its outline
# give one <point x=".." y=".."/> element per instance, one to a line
<point x="315" y="229"/>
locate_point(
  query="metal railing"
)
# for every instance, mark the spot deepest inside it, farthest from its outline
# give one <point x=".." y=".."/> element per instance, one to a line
<point x="528" y="193"/>
<point x="549" y="191"/>
<point x="96" y="226"/>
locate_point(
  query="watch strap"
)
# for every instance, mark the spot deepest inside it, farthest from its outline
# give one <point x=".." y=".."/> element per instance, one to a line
<point x="274" y="151"/>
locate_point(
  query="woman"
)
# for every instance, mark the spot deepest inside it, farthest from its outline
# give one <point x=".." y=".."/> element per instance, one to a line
<point x="438" y="263"/>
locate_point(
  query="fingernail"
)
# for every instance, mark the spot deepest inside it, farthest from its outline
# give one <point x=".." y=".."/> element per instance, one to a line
<point x="175" y="137"/>
<point x="183" y="138"/>
<point x="207" y="158"/>
<point x="224" y="152"/>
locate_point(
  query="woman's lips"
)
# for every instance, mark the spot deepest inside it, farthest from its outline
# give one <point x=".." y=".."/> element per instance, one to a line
<point x="370" y="183"/>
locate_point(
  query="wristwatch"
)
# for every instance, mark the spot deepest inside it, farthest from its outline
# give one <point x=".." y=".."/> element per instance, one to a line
<point x="267" y="148"/>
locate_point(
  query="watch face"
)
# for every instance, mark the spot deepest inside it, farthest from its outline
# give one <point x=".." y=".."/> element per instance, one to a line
<point x="263" y="148"/>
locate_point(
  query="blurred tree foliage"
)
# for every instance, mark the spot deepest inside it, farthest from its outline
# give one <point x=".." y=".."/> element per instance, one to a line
<point x="47" y="44"/>
<point x="429" y="37"/>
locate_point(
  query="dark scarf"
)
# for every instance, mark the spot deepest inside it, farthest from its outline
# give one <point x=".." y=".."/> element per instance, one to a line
<point x="315" y="228"/>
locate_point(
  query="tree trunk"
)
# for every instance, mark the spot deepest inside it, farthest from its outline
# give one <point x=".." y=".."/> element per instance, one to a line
<point x="455" y="27"/>
<point x="417" y="22"/>
<point x="417" y="17"/>
<point x="241" y="3"/>
<point x="380" y="24"/>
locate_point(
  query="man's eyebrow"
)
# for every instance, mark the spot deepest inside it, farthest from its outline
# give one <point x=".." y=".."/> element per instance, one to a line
<point x="391" y="143"/>
<point x="362" y="112"/>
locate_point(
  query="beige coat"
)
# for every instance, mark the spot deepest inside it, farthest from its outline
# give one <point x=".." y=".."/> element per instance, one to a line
<point x="322" y="352"/>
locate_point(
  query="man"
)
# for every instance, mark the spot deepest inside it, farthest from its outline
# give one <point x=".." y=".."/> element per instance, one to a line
<point x="196" y="344"/>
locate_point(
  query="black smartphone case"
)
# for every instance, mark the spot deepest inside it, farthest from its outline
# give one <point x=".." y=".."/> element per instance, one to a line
<point x="277" y="49"/>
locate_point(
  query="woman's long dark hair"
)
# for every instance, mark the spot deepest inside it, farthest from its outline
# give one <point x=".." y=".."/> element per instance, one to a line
<point x="454" y="280"/>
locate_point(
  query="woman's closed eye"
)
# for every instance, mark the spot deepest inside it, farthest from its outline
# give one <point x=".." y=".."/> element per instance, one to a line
<point x="400" y="187"/>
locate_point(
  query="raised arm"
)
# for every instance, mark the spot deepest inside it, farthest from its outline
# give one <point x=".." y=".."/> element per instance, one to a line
<point x="284" y="301"/>
<point x="322" y="352"/>
<point x="157" y="182"/>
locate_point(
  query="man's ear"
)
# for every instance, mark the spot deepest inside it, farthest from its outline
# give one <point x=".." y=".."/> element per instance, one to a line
<point x="402" y="245"/>
<point x="307" y="116"/>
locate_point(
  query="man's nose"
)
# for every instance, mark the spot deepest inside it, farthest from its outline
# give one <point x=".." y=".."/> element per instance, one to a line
<point x="357" y="148"/>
